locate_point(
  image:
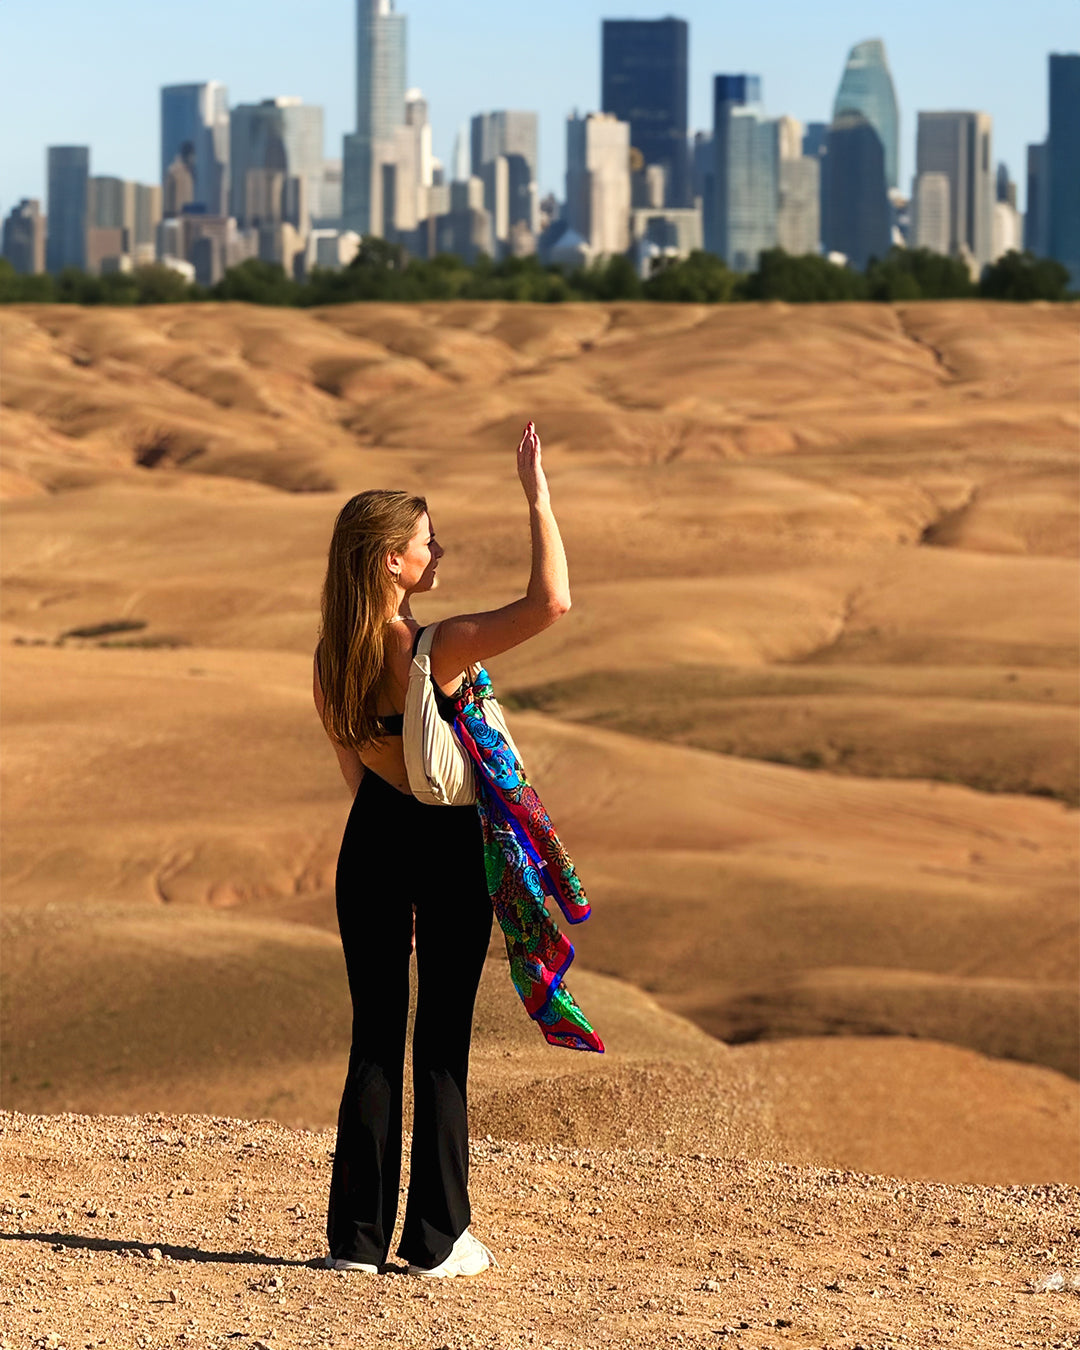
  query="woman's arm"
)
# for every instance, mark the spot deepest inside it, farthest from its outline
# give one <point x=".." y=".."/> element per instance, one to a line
<point x="468" y="638"/>
<point x="352" y="770"/>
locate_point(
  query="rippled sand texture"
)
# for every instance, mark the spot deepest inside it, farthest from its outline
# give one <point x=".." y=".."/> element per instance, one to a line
<point x="810" y="728"/>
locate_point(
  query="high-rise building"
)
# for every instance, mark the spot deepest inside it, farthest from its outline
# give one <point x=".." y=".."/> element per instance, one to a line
<point x="277" y="138"/>
<point x="24" y="237"/>
<point x="644" y="81"/>
<point x="598" y="181"/>
<point x="1038" y="203"/>
<point x="514" y="136"/>
<point x="957" y="144"/>
<point x="195" y="130"/>
<point x="930" y="210"/>
<point x="866" y="87"/>
<point x="745" y="173"/>
<point x="68" y="174"/>
<point x="798" y="214"/>
<point x="1063" y="163"/>
<point x="380" y="107"/>
<point x="858" y="220"/>
<point x="147" y="216"/>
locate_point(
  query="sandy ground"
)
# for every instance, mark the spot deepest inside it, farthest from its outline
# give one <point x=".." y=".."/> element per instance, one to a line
<point x="809" y="731"/>
<point x="195" y="1231"/>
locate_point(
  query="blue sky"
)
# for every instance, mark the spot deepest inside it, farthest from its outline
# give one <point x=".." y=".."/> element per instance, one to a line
<point x="78" y="73"/>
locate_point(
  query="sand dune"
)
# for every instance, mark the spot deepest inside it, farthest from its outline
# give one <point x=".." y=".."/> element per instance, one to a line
<point x="809" y="728"/>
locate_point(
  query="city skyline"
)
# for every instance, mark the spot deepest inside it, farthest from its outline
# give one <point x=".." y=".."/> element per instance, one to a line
<point x="101" y="103"/>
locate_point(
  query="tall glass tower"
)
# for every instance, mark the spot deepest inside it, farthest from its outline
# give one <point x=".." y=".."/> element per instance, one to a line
<point x="68" y="170"/>
<point x="380" y="104"/>
<point x="644" y="82"/>
<point x="856" y="221"/>
<point x="745" y="173"/>
<point x="1063" y="164"/>
<point x="195" y="129"/>
<point x="866" y="87"/>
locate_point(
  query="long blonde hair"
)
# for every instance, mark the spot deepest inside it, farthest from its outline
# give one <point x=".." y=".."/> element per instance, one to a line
<point x="357" y="599"/>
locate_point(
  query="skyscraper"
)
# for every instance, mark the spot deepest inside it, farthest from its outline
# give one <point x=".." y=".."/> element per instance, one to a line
<point x="24" y="237"/>
<point x="195" y="130"/>
<point x="513" y="135"/>
<point x="866" y="87"/>
<point x="957" y="144"/>
<point x="745" y="174"/>
<point x="798" y="223"/>
<point x="380" y="107"/>
<point x="644" y="82"/>
<point x="68" y="173"/>
<point x="1038" y="203"/>
<point x="1063" y="164"/>
<point x="279" y="137"/>
<point x="598" y="181"/>
<point x="857" y="216"/>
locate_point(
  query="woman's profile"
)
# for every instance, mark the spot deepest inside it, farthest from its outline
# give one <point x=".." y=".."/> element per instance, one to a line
<point x="416" y="876"/>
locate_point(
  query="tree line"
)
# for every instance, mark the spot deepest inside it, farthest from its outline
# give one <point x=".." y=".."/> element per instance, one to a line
<point x="381" y="271"/>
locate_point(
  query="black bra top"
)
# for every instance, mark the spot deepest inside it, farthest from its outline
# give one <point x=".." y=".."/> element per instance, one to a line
<point x="393" y="724"/>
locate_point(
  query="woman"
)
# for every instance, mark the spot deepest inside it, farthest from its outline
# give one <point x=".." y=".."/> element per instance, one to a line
<point x="410" y="875"/>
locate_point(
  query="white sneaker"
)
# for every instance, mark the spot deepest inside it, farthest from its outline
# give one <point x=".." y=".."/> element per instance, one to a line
<point x="338" y="1263"/>
<point x="468" y="1256"/>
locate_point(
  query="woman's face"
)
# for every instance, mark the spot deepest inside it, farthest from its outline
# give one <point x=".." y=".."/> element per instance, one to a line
<point x="416" y="566"/>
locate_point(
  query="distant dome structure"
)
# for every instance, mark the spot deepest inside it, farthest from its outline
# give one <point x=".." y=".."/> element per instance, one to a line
<point x="866" y="87"/>
<point x="571" y="250"/>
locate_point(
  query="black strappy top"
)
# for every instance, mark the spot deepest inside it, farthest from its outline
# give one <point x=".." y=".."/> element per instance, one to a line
<point x="393" y="724"/>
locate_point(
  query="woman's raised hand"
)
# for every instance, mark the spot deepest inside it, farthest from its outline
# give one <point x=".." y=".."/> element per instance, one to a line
<point x="529" y="466"/>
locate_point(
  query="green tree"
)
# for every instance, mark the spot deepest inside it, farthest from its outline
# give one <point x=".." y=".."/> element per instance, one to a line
<point x="16" y="288"/>
<point x="918" y="274"/>
<point x="1022" y="276"/>
<point x="257" y="282"/>
<point x="702" y="279"/>
<point x="800" y="280"/>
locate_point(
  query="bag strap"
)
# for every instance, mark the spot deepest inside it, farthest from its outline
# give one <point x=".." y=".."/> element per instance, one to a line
<point x="422" y="641"/>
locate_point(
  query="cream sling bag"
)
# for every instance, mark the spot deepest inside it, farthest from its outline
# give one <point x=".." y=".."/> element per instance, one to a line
<point x="439" y="768"/>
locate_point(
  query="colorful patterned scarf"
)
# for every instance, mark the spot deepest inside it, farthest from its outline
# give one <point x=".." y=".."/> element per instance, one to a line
<point x="525" y="861"/>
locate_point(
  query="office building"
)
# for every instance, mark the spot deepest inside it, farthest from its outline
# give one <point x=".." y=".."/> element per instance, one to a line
<point x="866" y="87"/>
<point x="931" y="212"/>
<point x="1038" y="203"/>
<point x="1007" y="230"/>
<point x="24" y="237"/>
<point x="729" y="92"/>
<point x="380" y="107"/>
<point x="644" y="81"/>
<point x="513" y="136"/>
<point x="195" y="131"/>
<point x="598" y="181"/>
<point x="464" y="230"/>
<point x="68" y="175"/>
<point x="957" y="144"/>
<point x="703" y="181"/>
<point x="858" y="218"/>
<point x="745" y="173"/>
<point x="798" y="210"/>
<point x="276" y="155"/>
<point x="326" y="200"/>
<point x="1063" y="164"/>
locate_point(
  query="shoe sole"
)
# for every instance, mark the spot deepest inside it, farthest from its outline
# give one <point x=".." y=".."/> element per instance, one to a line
<point x="336" y="1263"/>
<point x="446" y="1274"/>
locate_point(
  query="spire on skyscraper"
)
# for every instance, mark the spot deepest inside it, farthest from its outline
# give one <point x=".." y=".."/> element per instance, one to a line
<point x="866" y="87"/>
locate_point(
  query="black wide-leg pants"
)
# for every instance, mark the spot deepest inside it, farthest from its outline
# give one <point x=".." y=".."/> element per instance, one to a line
<point x="397" y="852"/>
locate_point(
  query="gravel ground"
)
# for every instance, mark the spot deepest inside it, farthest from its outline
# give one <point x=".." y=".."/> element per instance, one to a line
<point x="198" y="1231"/>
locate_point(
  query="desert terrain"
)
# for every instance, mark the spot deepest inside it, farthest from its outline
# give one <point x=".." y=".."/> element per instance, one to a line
<point x="809" y="731"/>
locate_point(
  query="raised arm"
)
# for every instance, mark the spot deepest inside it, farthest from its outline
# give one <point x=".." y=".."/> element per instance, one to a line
<point x="468" y="638"/>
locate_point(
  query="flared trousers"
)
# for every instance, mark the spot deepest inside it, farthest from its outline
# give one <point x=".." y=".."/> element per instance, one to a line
<point x="396" y="853"/>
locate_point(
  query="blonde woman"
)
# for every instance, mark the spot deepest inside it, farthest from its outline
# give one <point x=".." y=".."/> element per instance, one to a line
<point x="411" y="875"/>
